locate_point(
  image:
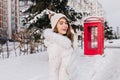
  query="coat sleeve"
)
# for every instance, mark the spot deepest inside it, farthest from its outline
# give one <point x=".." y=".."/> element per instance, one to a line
<point x="75" y="43"/>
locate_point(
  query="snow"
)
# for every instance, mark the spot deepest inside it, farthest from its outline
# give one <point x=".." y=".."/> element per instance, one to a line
<point x="35" y="66"/>
<point x="30" y="67"/>
<point x="46" y="11"/>
<point x="112" y="43"/>
<point x="25" y="5"/>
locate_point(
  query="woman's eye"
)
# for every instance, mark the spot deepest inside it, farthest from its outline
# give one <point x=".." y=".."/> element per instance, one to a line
<point x="61" y="23"/>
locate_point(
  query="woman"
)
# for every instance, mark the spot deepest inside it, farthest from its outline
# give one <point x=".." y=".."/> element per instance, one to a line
<point x="59" y="42"/>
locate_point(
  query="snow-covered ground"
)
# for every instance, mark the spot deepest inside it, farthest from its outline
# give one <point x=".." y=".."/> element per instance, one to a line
<point x="35" y="66"/>
<point x="28" y="67"/>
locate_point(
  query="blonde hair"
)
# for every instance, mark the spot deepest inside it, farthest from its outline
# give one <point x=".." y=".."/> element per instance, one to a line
<point x="68" y="33"/>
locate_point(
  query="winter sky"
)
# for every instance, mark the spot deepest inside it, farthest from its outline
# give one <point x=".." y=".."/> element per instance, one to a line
<point x="112" y="12"/>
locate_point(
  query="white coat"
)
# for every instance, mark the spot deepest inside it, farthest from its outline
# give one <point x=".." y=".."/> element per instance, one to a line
<point x="59" y="49"/>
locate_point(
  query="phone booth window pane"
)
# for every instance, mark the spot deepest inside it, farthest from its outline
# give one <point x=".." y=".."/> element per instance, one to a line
<point x="94" y="39"/>
<point x="89" y="37"/>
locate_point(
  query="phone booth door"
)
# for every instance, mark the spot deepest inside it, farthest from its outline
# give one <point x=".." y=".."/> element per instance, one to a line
<point x="92" y="41"/>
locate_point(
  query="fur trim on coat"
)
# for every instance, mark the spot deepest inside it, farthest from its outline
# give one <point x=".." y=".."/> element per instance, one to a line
<point x="52" y="37"/>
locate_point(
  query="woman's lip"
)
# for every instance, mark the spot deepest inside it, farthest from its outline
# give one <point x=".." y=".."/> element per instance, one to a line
<point x="64" y="29"/>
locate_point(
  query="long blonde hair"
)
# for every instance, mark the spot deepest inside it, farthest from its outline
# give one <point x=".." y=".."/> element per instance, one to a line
<point x="68" y="33"/>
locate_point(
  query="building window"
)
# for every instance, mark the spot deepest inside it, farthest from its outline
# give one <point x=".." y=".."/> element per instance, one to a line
<point x="0" y="24"/>
<point x="4" y="5"/>
<point x="4" y="18"/>
<point x="5" y="24"/>
<point x="0" y="18"/>
<point x="13" y="18"/>
<point x="12" y="12"/>
<point x="0" y="11"/>
<point x="4" y="12"/>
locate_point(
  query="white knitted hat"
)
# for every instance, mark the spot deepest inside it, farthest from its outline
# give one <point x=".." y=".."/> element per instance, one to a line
<point x="55" y="18"/>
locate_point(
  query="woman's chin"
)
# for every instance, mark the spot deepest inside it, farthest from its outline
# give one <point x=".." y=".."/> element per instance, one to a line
<point x="63" y="33"/>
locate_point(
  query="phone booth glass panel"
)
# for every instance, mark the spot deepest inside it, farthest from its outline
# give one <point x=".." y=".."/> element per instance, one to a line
<point x="94" y="43"/>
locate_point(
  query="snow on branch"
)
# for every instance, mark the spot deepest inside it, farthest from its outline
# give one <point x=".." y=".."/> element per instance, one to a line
<point x="40" y="15"/>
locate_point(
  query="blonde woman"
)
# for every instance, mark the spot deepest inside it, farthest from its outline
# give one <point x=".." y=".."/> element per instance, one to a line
<point x="59" y="42"/>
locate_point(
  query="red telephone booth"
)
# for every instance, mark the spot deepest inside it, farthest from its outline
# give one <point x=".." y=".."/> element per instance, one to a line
<point x="93" y="36"/>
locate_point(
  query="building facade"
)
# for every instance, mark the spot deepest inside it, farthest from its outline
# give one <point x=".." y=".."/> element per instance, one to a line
<point x="87" y="7"/>
<point x="13" y="17"/>
<point x="9" y="17"/>
<point x="3" y="18"/>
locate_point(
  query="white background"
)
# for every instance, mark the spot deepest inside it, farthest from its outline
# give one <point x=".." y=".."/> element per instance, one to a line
<point x="112" y="10"/>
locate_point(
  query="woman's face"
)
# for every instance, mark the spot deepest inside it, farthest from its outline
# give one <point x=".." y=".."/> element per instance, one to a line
<point x="62" y="26"/>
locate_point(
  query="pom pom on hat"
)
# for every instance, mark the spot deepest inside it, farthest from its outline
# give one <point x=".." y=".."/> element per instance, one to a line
<point x="54" y="18"/>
